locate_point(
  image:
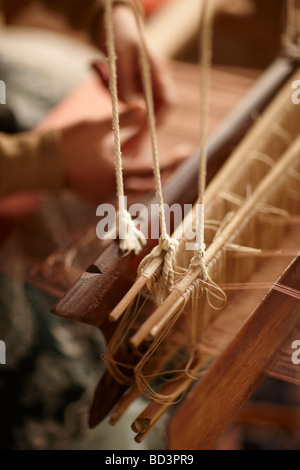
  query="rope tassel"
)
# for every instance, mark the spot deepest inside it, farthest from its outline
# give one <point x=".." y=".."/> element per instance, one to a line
<point x="130" y="237"/>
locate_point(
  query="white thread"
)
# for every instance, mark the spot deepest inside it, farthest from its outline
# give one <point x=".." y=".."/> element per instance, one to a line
<point x="130" y="237"/>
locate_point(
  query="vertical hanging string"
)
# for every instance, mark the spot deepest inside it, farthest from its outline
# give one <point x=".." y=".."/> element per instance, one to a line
<point x="206" y="61"/>
<point x="130" y="238"/>
<point x="167" y="244"/>
<point x="148" y="92"/>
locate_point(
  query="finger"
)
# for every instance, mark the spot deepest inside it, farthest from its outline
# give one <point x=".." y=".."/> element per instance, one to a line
<point x="141" y="185"/>
<point x="128" y="77"/>
<point x="163" y="90"/>
<point x="127" y="81"/>
<point x="178" y="156"/>
<point x="138" y="185"/>
<point x="132" y="116"/>
<point x="129" y="88"/>
<point x="101" y="69"/>
<point x="140" y="167"/>
<point x="135" y="143"/>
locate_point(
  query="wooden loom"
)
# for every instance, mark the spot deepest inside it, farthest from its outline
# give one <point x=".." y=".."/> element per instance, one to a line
<point x="83" y="304"/>
<point x="238" y="201"/>
<point x="102" y="285"/>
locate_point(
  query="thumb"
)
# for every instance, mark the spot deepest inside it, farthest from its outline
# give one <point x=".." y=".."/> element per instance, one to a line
<point x="133" y="116"/>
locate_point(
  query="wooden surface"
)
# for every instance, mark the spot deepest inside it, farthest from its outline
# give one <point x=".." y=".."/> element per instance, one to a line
<point x="216" y="399"/>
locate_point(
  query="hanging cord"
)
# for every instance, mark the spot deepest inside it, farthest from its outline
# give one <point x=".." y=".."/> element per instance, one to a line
<point x="167" y="245"/>
<point x="206" y="61"/>
<point x="130" y="238"/>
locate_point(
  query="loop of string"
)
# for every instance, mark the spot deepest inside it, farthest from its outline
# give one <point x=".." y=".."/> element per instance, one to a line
<point x="212" y="290"/>
<point x="130" y="238"/>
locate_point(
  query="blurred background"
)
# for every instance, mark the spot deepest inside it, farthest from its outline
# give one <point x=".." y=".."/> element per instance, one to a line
<point x="46" y="388"/>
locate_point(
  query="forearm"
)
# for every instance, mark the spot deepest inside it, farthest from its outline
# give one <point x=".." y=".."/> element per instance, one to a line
<point x="30" y="161"/>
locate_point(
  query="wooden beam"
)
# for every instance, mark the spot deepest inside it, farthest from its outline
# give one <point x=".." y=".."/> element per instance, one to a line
<point x="219" y="396"/>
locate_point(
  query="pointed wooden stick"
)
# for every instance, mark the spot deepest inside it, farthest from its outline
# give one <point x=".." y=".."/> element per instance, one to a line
<point x="135" y="290"/>
<point x="123" y="404"/>
<point x="129" y="297"/>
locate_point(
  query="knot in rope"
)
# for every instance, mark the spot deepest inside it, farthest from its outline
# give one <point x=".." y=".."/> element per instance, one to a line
<point x="168" y="244"/>
<point x="167" y="248"/>
<point x="198" y="260"/>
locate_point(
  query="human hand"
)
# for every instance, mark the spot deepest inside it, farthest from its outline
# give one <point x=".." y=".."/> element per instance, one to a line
<point x="127" y="42"/>
<point x="89" y="162"/>
<point x="88" y="152"/>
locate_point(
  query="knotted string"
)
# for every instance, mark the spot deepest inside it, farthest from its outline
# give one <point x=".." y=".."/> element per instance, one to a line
<point x="168" y="246"/>
<point x="198" y="259"/>
<point x="130" y="238"/>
